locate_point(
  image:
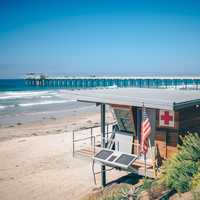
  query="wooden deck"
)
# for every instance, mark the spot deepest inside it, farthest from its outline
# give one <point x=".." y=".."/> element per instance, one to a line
<point x="138" y="166"/>
<point x="87" y="152"/>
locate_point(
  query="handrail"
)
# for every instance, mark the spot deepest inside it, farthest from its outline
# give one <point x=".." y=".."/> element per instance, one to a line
<point x="82" y="139"/>
<point x="91" y="127"/>
<point x="92" y="136"/>
<point x="94" y="143"/>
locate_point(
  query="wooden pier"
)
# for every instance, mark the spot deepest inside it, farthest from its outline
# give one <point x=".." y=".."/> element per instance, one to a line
<point x="99" y="82"/>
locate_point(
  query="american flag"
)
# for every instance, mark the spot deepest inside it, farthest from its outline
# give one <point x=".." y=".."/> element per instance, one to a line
<point x="145" y="132"/>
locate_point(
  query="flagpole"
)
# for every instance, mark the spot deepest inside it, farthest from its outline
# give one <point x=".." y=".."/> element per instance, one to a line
<point x="145" y="165"/>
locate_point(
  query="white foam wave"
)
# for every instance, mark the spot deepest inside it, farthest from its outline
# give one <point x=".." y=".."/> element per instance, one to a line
<point x="45" y="103"/>
<point x="46" y="96"/>
<point x="15" y="95"/>
<point x="3" y="107"/>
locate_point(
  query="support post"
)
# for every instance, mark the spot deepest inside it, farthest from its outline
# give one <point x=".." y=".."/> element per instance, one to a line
<point x="107" y="131"/>
<point x="91" y="135"/>
<point x="103" y="167"/>
<point x="139" y="119"/>
<point x="145" y="164"/>
<point x="73" y="148"/>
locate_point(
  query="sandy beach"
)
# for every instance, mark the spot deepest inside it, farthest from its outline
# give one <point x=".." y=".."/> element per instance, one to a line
<point x="37" y="163"/>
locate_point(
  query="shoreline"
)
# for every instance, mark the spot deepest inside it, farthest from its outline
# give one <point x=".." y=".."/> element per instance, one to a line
<point x="53" y="125"/>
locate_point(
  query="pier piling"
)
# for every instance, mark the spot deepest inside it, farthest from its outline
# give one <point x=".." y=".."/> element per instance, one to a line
<point x="99" y="82"/>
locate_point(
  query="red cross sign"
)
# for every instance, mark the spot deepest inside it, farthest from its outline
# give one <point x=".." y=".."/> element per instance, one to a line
<point x="166" y="118"/>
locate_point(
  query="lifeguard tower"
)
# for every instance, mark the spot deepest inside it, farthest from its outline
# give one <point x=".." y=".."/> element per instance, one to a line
<point x="171" y="113"/>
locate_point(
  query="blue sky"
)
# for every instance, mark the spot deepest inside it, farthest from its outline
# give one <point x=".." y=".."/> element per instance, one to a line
<point x="99" y="37"/>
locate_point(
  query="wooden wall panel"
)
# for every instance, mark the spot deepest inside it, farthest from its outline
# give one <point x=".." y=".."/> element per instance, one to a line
<point x="193" y="122"/>
<point x="167" y="139"/>
<point x="171" y="151"/>
<point x="189" y="113"/>
<point x="189" y="120"/>
<point x="172" y="139"/>
<point x="160" y="142"/>
<point x="135" y="146"/>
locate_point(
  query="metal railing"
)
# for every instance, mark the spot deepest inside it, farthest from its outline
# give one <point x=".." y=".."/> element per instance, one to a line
<point x="92" y="138"/>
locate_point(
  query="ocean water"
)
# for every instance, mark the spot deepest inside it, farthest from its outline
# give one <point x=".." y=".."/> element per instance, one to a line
<point x="22" y="104"/>
<point x="13" y="85"/>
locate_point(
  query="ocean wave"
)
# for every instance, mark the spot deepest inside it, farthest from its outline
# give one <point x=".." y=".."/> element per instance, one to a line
<point x="3" y="107"/>
<point x="15" y="95"/>
<point x="45" y="103"/>
<point x="45" y="96"/>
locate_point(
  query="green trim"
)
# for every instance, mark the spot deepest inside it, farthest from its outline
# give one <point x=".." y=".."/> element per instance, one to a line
<point x="178" y="106"/>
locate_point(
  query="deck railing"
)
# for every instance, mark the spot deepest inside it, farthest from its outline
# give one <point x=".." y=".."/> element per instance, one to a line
<point x="90" y="139"/>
